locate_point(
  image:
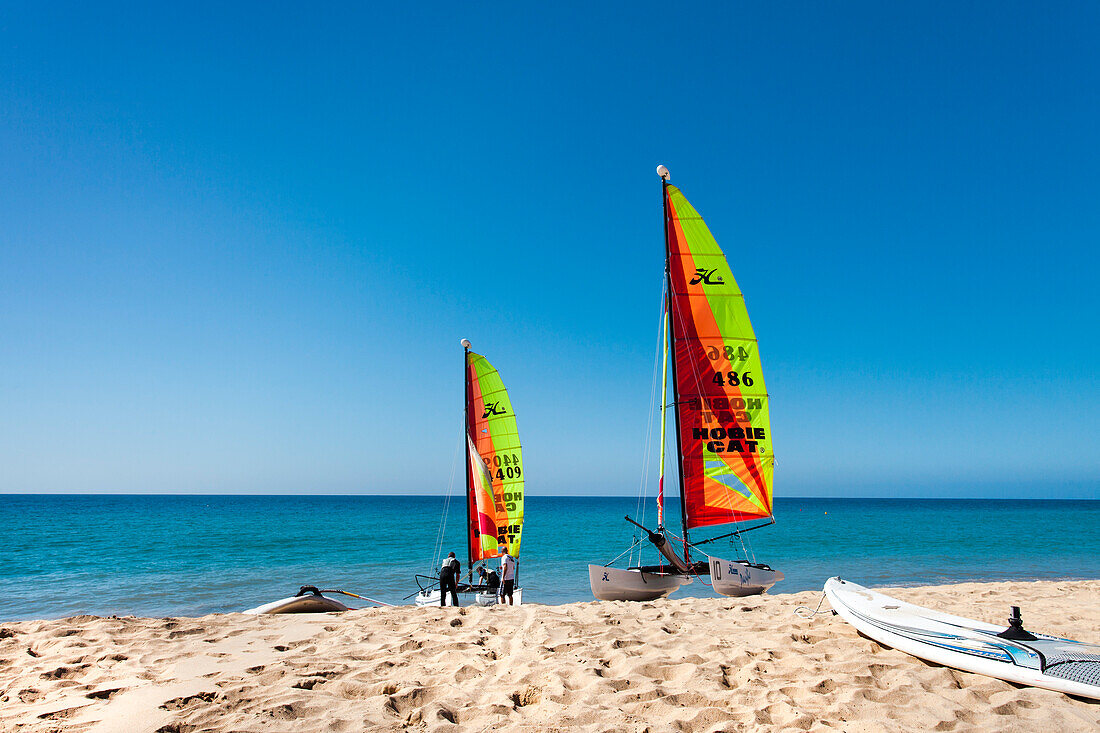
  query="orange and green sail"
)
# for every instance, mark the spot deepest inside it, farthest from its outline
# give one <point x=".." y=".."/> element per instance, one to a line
<point x="725" y="433"/>
<point x="496" y="463"/>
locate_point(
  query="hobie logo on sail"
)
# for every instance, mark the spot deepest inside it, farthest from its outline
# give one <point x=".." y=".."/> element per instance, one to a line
<point x="492" y="408"/>
<point x="707" y="277"/>
<point x="729" y="440"/>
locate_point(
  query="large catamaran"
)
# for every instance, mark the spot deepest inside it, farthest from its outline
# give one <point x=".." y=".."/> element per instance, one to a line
<point x="723" y="435"/>
<point x="494" y="480"/>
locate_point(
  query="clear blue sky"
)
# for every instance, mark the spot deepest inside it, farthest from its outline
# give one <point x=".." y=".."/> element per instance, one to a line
<point x="239" y="245"/>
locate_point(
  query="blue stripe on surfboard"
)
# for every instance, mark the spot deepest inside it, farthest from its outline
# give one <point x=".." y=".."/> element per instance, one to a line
<point x="1001" y="652"/>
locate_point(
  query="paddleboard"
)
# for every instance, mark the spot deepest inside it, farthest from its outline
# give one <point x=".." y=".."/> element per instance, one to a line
<point x="1049" y="662"/>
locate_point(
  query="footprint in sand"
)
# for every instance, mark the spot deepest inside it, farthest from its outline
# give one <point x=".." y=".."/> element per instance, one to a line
<point x="310" y="683"/>
<point x="30" y="695"/>
<point x="64" y="673"/>
<point x="178" y="703"/>
<point x="185" y="632"/>
<point x="60" y="714"/>
<point x="290" y="711"/>
<point x="528" y="696"/>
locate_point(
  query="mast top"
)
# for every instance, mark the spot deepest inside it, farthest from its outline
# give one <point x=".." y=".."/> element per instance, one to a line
<point x="663" y="173"/>
<point x="465" y="343"/>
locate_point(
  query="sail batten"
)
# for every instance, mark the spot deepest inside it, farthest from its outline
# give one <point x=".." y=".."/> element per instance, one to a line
<point x="724" y="427"/>
<point x="496" y="479"/>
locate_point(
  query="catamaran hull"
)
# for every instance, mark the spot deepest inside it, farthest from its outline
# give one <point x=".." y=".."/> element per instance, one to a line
<point x="431" y="598"/>
<point x="615" y="584"/>
<point x="738" y="578"/>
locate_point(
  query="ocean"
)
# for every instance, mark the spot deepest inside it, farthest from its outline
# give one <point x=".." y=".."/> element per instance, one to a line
<point x="154" y="555"/>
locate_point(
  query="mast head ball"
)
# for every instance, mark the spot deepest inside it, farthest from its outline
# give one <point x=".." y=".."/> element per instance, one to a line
<point x="663" y="172"/>
<point x="465" y="343"/>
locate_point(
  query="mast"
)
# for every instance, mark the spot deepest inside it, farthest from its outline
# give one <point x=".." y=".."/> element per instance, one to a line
<point x="466" y="450"/>
<point x="664" y="174"/>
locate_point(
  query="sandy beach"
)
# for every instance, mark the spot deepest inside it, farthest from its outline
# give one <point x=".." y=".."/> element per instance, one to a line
<point x="687" y="665"/>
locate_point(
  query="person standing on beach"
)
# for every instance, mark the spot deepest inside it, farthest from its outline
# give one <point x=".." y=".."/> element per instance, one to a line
<point x="507" y="575"/>
<point x="448" y="580"/>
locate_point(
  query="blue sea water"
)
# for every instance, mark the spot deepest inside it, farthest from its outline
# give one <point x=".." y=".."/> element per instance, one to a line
<point x="191" y="555"/>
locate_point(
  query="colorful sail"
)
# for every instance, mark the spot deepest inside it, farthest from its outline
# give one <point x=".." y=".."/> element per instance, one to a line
<point x="483" y="537"/>
<point x="496" y="463"/>
<point x="725" y="431"/>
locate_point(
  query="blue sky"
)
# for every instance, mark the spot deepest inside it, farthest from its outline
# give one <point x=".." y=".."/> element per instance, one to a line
<point x="239" y="245"/>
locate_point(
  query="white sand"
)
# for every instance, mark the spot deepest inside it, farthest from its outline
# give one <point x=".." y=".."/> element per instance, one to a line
<point x="685" y="665"/>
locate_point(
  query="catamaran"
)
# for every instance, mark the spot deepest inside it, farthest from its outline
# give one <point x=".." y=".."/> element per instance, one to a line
<point x="494" y="481"/>
<point x="723" y="434"/>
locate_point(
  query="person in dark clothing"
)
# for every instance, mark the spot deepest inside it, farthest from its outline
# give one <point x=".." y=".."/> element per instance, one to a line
<point x="489" y="579"/>
<point x="448" y="580"/>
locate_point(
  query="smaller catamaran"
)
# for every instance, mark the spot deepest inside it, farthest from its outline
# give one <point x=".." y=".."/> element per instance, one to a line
<point x="494" y="481"/>
<point x="723" y="432"/>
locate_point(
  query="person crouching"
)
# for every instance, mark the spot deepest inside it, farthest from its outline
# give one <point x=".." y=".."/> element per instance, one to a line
<point x="490" y="579"/>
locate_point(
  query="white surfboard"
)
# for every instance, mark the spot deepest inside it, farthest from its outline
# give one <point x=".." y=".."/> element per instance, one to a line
<point x="1049" y="662"/>
<point x="300" y="604"/>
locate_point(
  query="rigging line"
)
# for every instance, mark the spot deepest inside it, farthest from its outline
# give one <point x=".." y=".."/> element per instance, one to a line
<point x="629" y="549"/>
<point x="356" y="595"/>
<point x="653" y="407"/>
<point x="446" y="509"/>
<point x="732" y="534"/>
<point x="662" y="354"/>
<point x="643" y="482"/>
<point x="748" y="552"/>
<point x="804" y="611"/>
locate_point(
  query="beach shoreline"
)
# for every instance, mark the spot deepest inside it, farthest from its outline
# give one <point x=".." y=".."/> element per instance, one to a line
<point x="691" y="664"/>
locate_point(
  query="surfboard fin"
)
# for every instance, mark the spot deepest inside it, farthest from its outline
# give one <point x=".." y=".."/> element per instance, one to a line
<point x="1016" y="630"/>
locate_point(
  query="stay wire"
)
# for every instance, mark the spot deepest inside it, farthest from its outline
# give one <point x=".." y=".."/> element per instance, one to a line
<point x="643" y="482"/>
<point x="438" y="553"/>
<point x="629" y="549"/>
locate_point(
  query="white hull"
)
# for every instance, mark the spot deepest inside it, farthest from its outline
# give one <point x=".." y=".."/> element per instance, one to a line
<point x="615" y="584"/>
<point x="1049" y="662"/>
<point x="300" y="604"/>
<point x="738" y="578"/>
<point x="431" y="598"/>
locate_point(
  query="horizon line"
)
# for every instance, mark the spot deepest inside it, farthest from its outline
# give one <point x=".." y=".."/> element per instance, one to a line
<point x="540" y="496"/>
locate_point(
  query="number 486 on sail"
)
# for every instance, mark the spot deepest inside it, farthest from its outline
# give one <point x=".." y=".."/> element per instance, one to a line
<point x="733" y="379"/>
